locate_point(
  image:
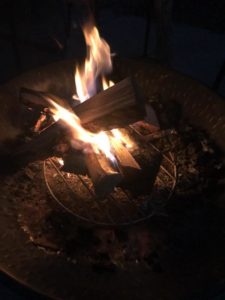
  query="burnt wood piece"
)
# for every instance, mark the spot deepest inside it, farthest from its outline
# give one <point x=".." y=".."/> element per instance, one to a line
<point x="116" y="119"/>
<point x="104" y="177"/>
<point x="128" y="166"/>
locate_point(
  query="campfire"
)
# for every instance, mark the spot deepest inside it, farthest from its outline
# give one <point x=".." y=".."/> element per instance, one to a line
<point x="96" y="137"/>
<point x="106" y="179"/>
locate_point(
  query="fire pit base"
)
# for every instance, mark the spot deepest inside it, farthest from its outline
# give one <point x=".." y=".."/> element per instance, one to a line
<point x="180" y="255"/>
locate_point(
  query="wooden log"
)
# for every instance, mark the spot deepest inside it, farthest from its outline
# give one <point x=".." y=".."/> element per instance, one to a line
<point x="104" y="177"/>
<point x="121" y="96"/>
<point x="126" y="163"/>
<point x="122" y="99"/>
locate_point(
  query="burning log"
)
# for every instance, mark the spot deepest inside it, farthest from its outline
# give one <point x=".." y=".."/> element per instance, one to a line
<point x="104" y="177"/>
<point x="123" y="95"/>
<point x="120" y="96"/>
<point x="126" y="162"/>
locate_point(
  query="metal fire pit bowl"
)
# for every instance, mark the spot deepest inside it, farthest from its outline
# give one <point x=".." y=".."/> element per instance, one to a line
<point x="55" y="276"/>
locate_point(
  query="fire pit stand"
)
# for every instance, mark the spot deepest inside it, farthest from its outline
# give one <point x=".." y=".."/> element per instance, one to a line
<point x="192" y="269"/>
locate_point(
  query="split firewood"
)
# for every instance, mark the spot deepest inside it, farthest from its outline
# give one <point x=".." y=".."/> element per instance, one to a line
<point x="116" y="119"/>
<point x="121" y="96"/>
<point x="104" y="177"/>
<point x="126" y="163"/>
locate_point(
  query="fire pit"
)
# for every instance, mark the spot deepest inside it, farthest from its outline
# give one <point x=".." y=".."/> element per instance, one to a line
<point x="161" y="240"/>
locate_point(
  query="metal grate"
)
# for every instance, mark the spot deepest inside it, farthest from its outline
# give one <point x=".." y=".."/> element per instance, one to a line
<point x="76" y="195"/>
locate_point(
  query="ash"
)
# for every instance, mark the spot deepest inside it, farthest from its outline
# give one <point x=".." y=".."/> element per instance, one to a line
<point x="191" y="222"/>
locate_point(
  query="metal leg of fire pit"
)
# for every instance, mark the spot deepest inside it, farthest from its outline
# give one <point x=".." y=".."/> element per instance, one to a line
<point x="220" y="76"/>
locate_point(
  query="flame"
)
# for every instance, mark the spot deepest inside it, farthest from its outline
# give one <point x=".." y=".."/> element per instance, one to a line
<point x="121" y="138"/>
<point x="106" y="84"/>
<point x="102" y="140"/>
<point x="97" y="64"/>
<point x="81" y="138"/>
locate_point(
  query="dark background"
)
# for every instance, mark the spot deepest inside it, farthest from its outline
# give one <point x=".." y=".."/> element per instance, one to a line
<point x="34" y="33"/>
<point x="37" y="32"/>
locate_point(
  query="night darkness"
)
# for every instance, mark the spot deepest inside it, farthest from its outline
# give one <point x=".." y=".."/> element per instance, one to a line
<point x="34" y="33"/>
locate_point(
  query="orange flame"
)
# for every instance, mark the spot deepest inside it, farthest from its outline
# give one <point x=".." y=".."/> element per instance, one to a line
<point x="97" y="64"/>
<point x="81" y="138"/>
